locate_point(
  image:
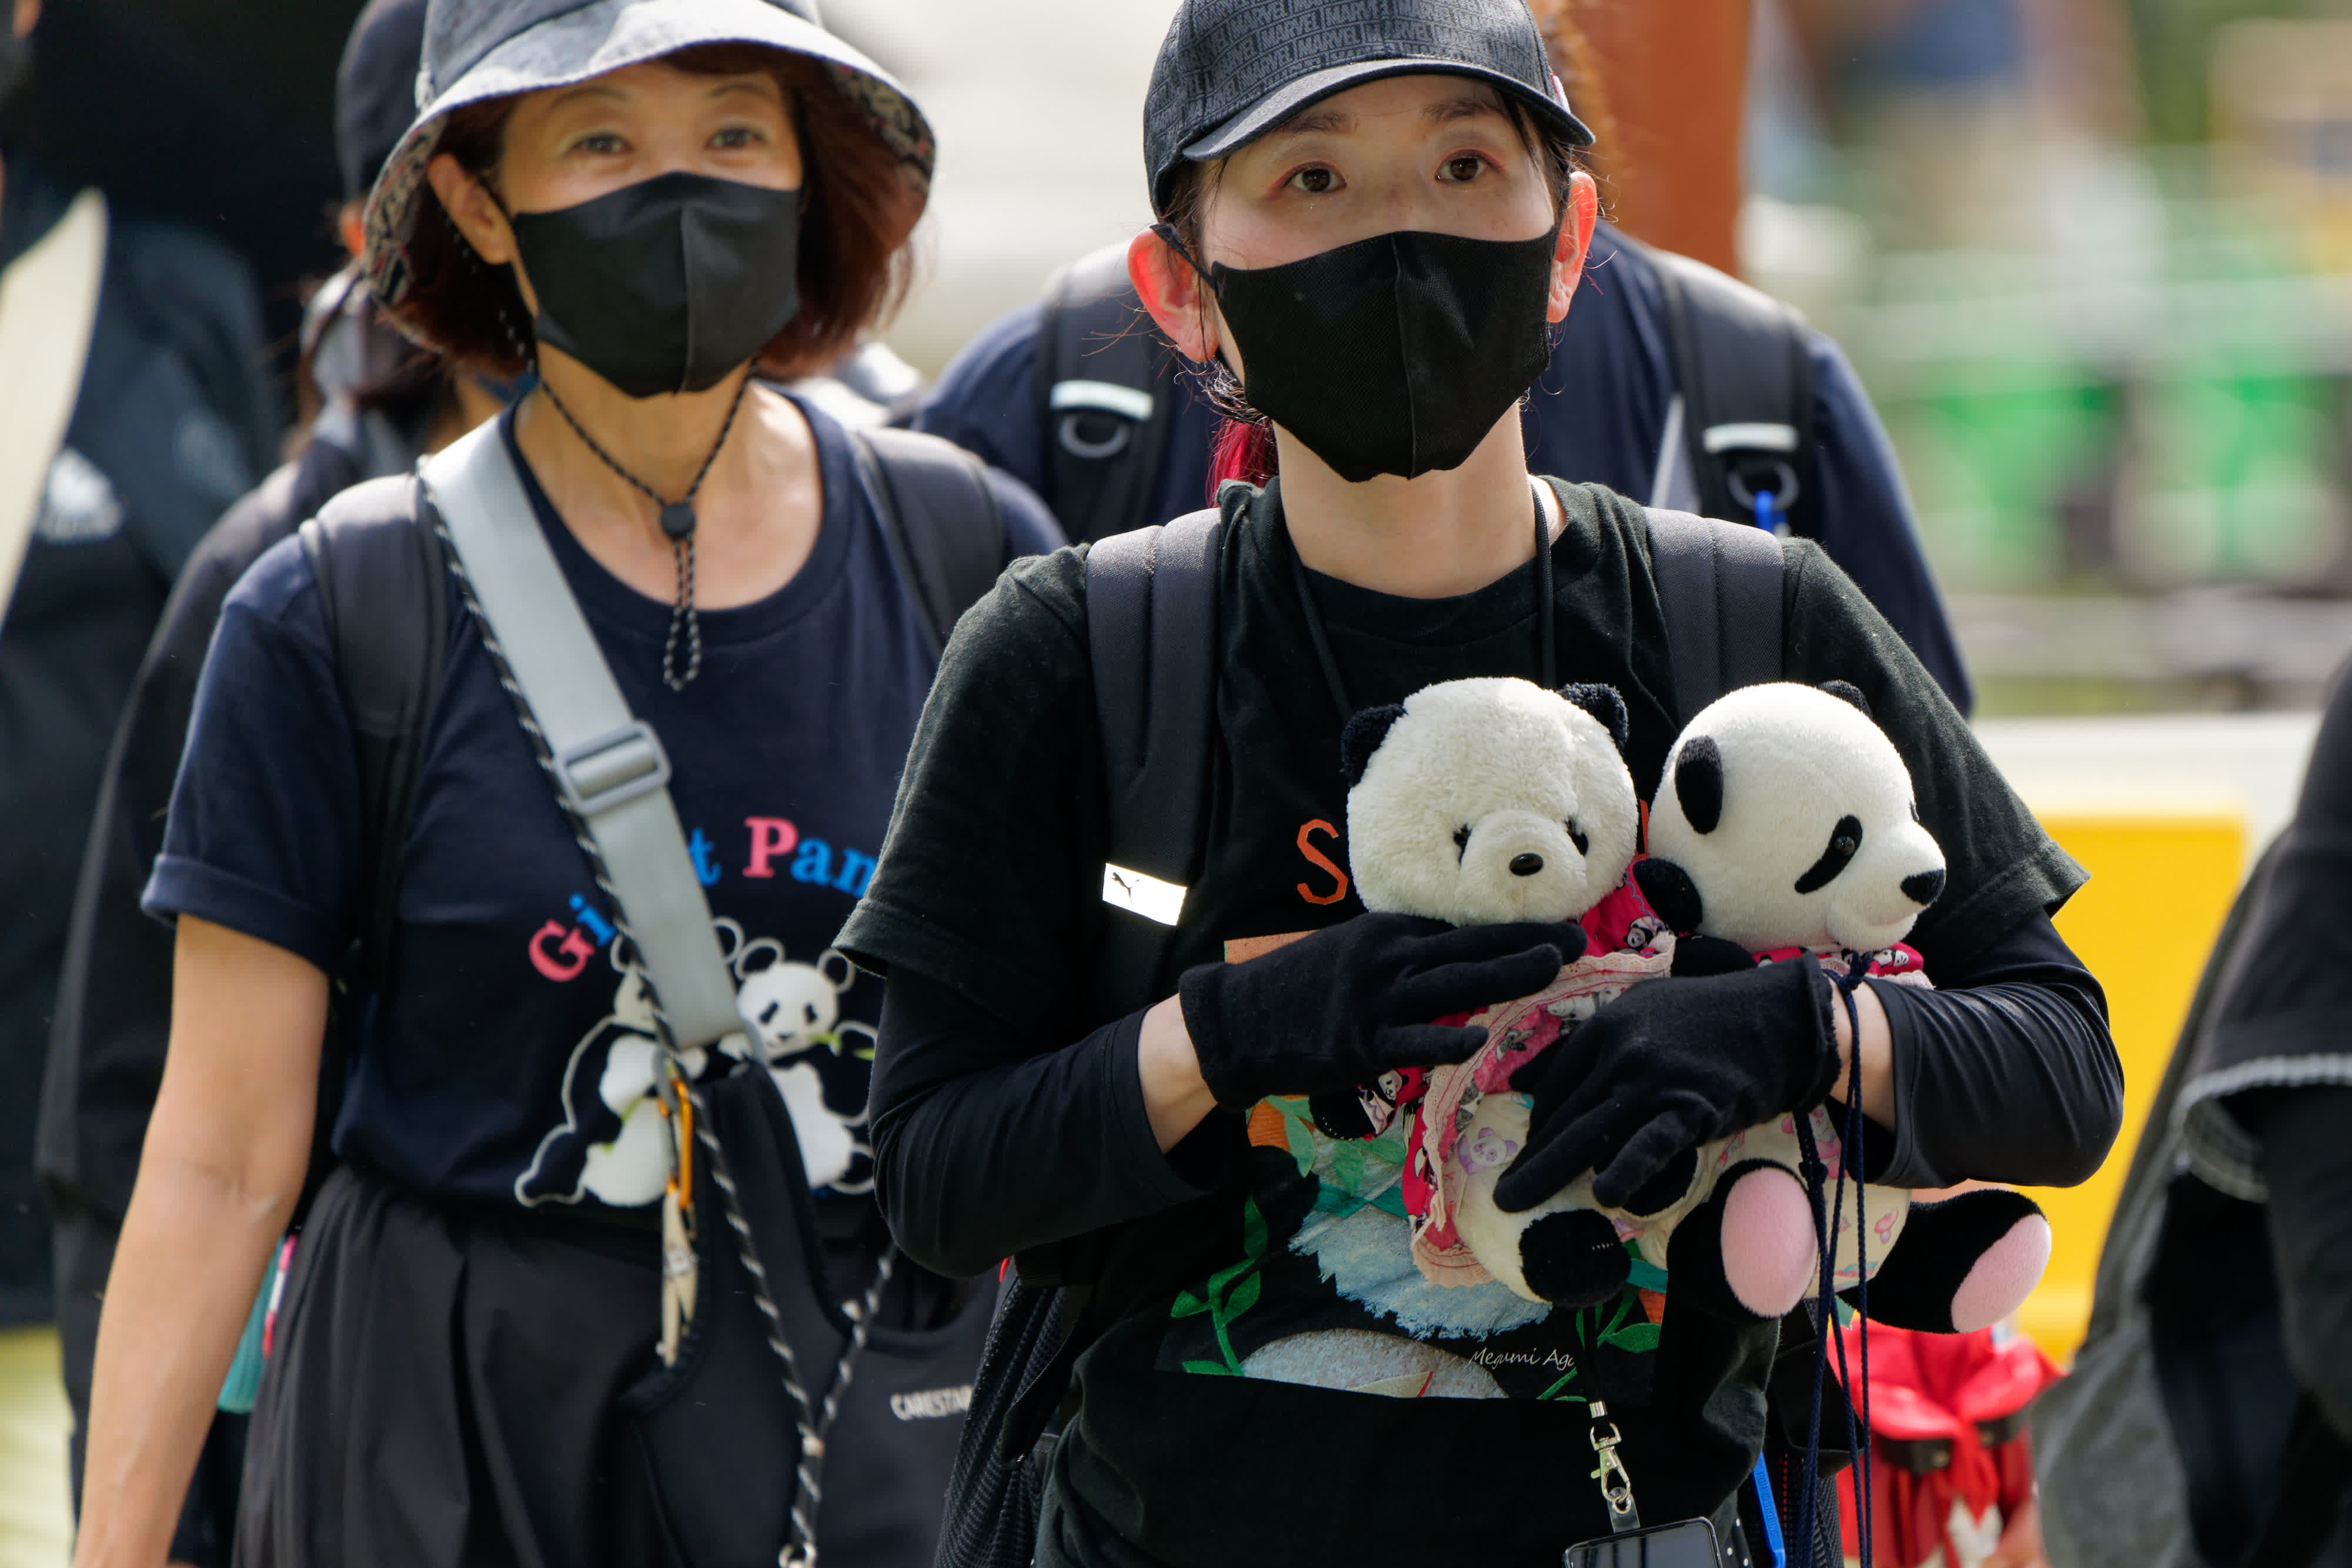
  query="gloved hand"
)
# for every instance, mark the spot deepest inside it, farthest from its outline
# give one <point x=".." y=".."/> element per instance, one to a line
<point x="1667" y="1066"/>
<point x="1354" y="1000"/>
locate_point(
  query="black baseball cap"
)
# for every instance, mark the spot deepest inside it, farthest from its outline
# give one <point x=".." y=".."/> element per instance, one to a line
<point x="1231" y="70"/>
<point x="375" y="88"/>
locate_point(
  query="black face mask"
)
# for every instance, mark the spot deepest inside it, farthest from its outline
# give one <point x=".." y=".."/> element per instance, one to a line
<point x="668" y="285"/>
<point x="1396" y="354"/>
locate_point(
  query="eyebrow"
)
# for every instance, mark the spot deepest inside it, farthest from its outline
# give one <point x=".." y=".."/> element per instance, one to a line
<point x="1327" y="119"/>
<point x="587" y="90"/>
<point x="1468" y="106"/>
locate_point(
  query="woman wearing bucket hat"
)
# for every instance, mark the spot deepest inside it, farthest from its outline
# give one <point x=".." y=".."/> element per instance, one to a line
<point x="645" y="201"/>
<point x="1371" y="216"/>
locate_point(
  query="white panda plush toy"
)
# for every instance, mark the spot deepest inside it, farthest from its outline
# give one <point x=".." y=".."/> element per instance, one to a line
<point x="1477" y="801"/>
<point x="1481" y="800"/>
<point x="1786" y="823"/>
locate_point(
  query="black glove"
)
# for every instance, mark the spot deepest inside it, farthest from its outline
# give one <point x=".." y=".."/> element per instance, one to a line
<point x="1666" y="1067"/>
<point x="1354" y="1000"/>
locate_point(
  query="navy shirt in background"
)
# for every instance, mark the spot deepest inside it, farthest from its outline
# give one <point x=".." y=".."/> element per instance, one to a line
<point x="510" y="1053"/>
<point x="1596" y="416"/>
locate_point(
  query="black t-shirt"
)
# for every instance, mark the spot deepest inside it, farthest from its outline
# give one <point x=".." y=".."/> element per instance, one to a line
<point x="509" y="1054"/>
<point x="1255" y="1322"/>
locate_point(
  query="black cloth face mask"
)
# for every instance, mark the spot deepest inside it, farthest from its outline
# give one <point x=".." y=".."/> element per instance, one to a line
<point x="668" y="285"/>
<point x="1396" y="354"/>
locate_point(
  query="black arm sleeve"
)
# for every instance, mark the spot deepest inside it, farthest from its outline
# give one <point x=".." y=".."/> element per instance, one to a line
<point x="2306" y="1162"/>
<point x="981" y="1149"/>
<point x="2005" y="1072"/>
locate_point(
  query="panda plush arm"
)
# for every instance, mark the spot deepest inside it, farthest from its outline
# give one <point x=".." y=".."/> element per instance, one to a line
<point x="2005" y="1071"/>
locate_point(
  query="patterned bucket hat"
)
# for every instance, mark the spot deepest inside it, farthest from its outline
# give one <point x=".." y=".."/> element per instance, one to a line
<point x="477" y="49"/>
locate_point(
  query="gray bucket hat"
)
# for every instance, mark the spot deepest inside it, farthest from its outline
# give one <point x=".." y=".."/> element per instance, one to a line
<point x="477" y="49"/>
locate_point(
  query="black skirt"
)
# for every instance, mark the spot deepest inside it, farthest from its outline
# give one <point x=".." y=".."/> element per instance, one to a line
<point x="443" y="1392"/>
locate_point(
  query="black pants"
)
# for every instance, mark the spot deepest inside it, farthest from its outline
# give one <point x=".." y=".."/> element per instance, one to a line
<point x="84" y="1242"/>
<point x="442" y="1392"/>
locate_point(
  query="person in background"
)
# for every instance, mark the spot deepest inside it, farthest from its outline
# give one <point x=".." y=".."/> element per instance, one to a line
<point x="173" y="422"/>
<point x="378" y="402"/>
<point x="479" y="1279"/>
<point x="1606" y="411"/>
<point x="2266" y="1123"/>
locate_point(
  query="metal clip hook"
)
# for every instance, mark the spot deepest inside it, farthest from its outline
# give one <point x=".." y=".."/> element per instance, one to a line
<point x="1616" y="1484"/>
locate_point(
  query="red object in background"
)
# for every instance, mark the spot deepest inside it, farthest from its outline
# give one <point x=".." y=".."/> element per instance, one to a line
<point x="1947" y="1420"/>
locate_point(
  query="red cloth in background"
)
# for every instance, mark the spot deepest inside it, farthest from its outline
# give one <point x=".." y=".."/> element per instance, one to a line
<point x="1937" y="1391"/>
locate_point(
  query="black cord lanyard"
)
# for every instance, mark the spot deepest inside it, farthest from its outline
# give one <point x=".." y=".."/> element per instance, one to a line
<point x="1546" y="651"/>
<point x="677" y="525"/>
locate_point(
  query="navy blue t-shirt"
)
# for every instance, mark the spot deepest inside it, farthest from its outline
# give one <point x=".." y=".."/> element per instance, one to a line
<point x="1597" y="416"/>
<point x="510" y="1055"/>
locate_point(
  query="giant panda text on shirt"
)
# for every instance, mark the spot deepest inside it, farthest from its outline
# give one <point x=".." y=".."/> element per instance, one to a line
<point x="510" y="1055"/>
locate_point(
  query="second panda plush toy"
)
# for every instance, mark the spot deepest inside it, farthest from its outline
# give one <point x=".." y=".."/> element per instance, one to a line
<point x="1785" y="823"/>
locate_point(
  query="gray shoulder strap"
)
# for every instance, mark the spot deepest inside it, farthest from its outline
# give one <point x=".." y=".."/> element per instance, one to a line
<point x="609" y="765"/>
<point x="1720" y="586"/>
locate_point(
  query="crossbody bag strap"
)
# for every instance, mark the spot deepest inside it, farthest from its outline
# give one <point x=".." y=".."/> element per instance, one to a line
<point x="1720" y="584"/>
<point x="608" y="765"/>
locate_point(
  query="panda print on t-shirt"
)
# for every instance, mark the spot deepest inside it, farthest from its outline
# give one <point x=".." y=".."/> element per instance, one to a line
<point x="611" y="1145"/>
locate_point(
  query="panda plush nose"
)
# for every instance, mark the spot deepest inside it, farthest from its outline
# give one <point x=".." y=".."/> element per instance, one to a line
<point x="1525" y="865"/>
<point x="1923" y="888"/>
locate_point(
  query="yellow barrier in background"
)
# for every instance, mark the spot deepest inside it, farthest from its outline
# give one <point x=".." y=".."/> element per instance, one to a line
<point x="2161" y="882"/>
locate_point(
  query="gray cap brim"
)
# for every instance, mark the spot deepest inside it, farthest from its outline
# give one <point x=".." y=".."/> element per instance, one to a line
<point x="606" y="36"/>
<point x="1294" y="96"/>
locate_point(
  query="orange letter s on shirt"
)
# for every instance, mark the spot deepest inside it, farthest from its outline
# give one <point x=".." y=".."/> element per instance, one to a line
<point x="1324" y="862"/>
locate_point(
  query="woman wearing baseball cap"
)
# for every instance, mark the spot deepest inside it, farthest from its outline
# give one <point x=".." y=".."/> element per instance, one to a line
<point x="1370" y="216"/>
<point x="646" y="202"/>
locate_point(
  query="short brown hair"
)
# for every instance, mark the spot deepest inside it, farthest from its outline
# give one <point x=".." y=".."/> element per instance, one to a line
<point x="856" y="210"/>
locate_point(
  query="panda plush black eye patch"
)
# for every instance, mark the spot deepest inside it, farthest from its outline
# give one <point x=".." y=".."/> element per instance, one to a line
<point x="1699" y="783"/>
<point x="1845" y="842"/>
<point x="1461" y="841"/>
<point x="1583" y="842"/>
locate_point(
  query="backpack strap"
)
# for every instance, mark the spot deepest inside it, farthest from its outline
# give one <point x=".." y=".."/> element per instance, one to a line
<point x="1744" y="363"/>
<point x="383" y="590"/>
<point x="1151" y="631"/>
<point x="608" y="764"/>
<point x="939" y="517"/>
<point x="1105" y="379"/>
<point x="1720" y="584"/>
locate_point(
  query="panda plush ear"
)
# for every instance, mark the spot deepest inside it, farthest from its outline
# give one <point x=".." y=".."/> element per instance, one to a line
<point x="1604" y="704"/>
<point x="1699" y="783"/>
<point x="1363" y="737"/>
<point x="1847" y="692"/>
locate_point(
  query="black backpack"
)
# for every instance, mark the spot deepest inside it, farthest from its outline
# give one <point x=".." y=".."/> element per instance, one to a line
<point x="1151" y="628"/>
<point x="1106" y="381"/>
